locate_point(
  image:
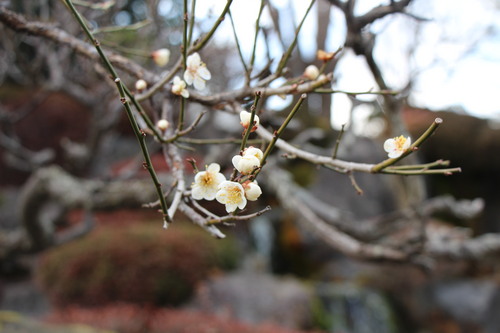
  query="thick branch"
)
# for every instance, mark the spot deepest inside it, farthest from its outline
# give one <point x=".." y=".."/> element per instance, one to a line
<point x="51" y="192"/>
<point x="286" y="190"/>
<point x="19" y="23"/>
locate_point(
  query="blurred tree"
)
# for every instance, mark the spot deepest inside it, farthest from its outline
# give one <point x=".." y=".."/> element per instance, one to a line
<point x="189" y="110"/>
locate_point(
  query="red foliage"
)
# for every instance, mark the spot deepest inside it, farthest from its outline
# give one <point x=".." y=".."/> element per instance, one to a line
<point x="49" y="120"/>
<point x="127" y="318"/>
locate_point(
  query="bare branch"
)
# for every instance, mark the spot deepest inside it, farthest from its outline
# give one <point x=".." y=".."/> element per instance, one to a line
<point x="18" y="23"/>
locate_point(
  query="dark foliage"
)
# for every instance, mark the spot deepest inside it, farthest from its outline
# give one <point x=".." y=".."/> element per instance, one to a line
<point x="137" y="263"/>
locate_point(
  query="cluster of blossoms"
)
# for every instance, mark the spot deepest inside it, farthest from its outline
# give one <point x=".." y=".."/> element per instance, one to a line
<point x="212" y="184"/>
<point x="196" y="74"/>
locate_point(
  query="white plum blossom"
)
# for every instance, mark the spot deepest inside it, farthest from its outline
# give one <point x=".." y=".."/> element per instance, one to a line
<point x="252" y="190"/>
<point x="196" y="72"/>
<point x="179" y="87"/>
<point x="161" y="57"/>
<point x="395" y="147"/>
<point x="249" y="161"/>
<point x="206" y="183"/>
<point x="245" y="120"/>
<point x="311" y="72"/>
<point x="232" y="195"/>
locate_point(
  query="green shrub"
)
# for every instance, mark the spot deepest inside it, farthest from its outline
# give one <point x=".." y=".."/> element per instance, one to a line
<point x="137" y="263"/>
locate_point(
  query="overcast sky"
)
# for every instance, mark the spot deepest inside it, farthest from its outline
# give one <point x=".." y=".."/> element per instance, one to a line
<point x="454" y="58"/>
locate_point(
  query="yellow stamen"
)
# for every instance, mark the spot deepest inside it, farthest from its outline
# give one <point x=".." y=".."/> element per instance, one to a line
<point x="400" y="141"/>
<point x="207" y="179"/>
<point x="233" y="195"/>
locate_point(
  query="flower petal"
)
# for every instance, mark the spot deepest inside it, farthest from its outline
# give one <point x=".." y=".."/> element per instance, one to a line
<point x="210" y="194"/>
<point x="199" y="83"/>
<point x="204" y="73"/>
<point x="395" y="153"/>
<point x="231" y="207"/>
<point x="252" y="151"/>
<point x="389" y="145"/>
<point x="188" y="77"/>
<point x="242" y="204"/>
<point x="213" y="168"/>
<point x="236" y="160"/>
<point x="407" y="143"/>
<point x="197" y="193"/>
<point x="193" y="60"/>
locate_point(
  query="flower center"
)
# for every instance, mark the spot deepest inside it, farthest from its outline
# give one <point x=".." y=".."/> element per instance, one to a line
<point x="233" y="195"/>
<point x="207" y="179"/>
<point x="400" y="141"/>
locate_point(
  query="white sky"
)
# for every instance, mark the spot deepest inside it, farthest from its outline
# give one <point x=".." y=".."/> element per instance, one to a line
<point x="455" y="61"/>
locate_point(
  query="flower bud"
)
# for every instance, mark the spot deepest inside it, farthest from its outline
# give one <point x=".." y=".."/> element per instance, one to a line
<point x="311" y="72"/>
<point x="252" y="190"/>
<point x="245" y="120"/>
<point x="252" y="151"/>
<point x="162" y="124"/>
<point x="140" y="85"/>
<point x="246" y="164"/>
<point x="325" y="56"/>
<point x="179" y="87"/>
<point x="161" y="57"/>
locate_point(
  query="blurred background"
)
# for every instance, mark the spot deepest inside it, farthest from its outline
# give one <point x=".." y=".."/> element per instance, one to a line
<point x="112" y="267"/>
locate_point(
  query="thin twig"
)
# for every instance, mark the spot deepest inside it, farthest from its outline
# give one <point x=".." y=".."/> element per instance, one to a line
<point x="217" y="141"/>
<point x="337" y="142"/>
<point x="354" y="184"/>
<point x="253" y="111"/>
<point x="254" y="47"/>
<point x="446" y="172"/>
<point x="185" y="131"/>
<point x="191" y="23"/>
<point x="228" y="218"/>
<point x="200" y="44"/>
<point x="288" y="53"/>
<point x="355" y="93"/>
<point x="203" y="210"/>
<point x="123" y="92"/>
<point x="238" y="47"/>
<point x="278" y="133"/>
<point x="147" y="164"/>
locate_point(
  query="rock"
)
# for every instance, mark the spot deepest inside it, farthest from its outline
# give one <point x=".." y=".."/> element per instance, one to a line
<point x="256" y="298"/>
<point x="467" y="301"/>
<point x="24" y="298"/>
<point x="351" y="308"/>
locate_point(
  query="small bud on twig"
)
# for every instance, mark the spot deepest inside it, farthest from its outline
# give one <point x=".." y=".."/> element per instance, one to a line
<point x="163" y="125"/>
<point x="140" y="85"/>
